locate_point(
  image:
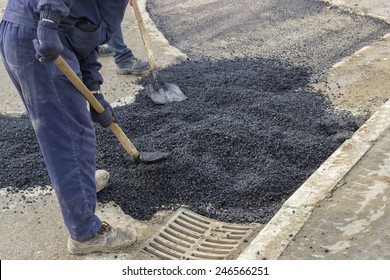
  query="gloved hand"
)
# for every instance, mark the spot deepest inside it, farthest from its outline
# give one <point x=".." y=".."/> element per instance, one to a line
<point x="108" y="116"/>
<point x="48" y="45"/>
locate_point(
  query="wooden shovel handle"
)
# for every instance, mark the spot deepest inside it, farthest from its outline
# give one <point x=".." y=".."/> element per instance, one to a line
<point x="79" y="85"/>
<point x="82" y="88"/>
<point x="141" y="26"/>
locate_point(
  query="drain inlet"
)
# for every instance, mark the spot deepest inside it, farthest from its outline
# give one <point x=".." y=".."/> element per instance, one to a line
<point x="190" y="236"/>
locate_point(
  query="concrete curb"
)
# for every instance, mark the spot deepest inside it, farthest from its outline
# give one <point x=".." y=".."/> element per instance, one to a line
<point x="364" y="8"/>
<point x="165" y="49"/>
<point x="289" y="220"/>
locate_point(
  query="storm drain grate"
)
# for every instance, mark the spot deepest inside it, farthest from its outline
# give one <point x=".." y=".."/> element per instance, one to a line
<point x="190" y="236"/>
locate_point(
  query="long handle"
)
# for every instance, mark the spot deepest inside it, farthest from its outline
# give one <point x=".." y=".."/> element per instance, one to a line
<point x="141" y="26"/>
<point x="82" y="88"/>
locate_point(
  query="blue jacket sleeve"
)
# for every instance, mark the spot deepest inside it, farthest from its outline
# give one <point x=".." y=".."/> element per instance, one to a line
<point x="90" y="67"/>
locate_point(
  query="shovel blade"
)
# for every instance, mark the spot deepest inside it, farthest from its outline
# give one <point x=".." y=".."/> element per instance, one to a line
<point x="165" y="93"/>
<point x="153" y="157"/>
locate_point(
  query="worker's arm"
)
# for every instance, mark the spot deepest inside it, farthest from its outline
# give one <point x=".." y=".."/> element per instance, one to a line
<point x="48" y="45"/>
<point x="90" y="67"/>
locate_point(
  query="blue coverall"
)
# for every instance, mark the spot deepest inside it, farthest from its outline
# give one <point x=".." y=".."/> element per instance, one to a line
<point x="58" y="112"/>
<point x="121" y="52"/>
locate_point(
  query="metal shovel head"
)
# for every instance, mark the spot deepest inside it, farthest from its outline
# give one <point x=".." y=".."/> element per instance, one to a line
<point x="162" y="93"/>
<point x="153" y="157"/>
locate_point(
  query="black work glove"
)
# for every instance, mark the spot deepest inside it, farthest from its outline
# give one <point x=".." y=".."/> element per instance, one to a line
<point x="48" y="45"/>
<point x="107" y="117"/>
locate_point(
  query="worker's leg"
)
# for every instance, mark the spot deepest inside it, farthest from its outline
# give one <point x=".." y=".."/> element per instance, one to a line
<point x="124" y="57"/>
<point x="62" y="124"/>
<point x="121" y="52"/>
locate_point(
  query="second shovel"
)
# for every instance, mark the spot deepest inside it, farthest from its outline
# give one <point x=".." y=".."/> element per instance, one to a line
<point x="160" y="92"/>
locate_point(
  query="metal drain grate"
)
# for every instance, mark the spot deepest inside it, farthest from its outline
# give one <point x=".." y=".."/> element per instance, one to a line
<point x="190" y="236"/>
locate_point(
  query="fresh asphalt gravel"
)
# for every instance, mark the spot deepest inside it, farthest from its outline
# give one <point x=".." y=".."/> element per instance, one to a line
<point x="251" y="132"/>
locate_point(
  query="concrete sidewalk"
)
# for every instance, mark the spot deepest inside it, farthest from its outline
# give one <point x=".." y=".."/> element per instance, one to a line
<point x="342" y="211"/>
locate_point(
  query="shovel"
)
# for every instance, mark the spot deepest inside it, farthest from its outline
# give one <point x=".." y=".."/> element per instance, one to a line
<point x="136" y="156"/>
<point x="159" y="91"/>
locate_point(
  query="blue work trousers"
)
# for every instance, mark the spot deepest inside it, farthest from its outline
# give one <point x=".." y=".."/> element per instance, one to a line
<point x="121" y="52"/>
<point x="62" y="124"/>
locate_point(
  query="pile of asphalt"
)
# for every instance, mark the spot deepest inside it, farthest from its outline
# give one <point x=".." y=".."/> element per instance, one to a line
<point x="241" y="144"/>
<point x="251" y="131"/>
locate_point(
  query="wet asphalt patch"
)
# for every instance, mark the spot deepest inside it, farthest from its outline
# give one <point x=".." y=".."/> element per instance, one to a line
<point x="308" y="33"/>
<point x="241" y="144"/>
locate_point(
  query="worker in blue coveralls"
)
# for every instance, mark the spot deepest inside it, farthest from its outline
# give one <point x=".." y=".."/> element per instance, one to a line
<point x="33" y="33"/>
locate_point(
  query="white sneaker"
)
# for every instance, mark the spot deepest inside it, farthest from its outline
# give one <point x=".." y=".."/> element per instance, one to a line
<point x="102" y="177"/>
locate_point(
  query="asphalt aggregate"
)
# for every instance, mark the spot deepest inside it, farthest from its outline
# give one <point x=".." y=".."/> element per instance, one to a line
<point x="251" y="131"/>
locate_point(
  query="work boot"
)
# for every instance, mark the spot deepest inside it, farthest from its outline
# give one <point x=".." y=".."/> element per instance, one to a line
<point x="135" y="66"/>
<point x="101" y="178"/>
<point x="106" y="240"/>
<point x="105" y="50"/>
